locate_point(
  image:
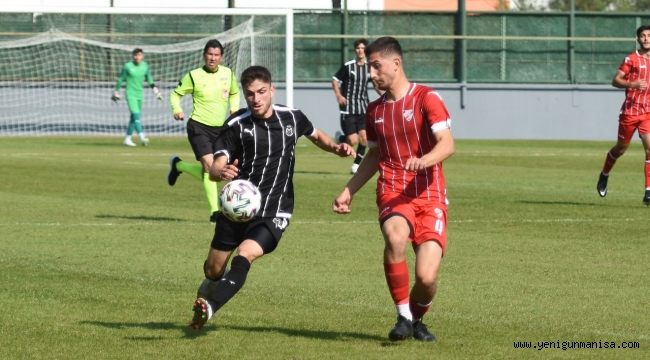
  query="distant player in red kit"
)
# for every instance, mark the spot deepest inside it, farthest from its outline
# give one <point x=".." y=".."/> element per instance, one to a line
<point x="408" y="130"/>
<point x="634" y="76"/>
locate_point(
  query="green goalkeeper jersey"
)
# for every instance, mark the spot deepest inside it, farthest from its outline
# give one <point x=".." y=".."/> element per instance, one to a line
<point x="213" y="95"/>
<point x="134" y="75"/>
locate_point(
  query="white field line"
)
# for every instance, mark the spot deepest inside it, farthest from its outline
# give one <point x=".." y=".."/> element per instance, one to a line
<point x="324" y="222"/>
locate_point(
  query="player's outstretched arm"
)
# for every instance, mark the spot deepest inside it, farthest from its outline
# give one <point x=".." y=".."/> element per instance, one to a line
<point x="324" y="142"/>
<point x="443" y="149"/>
<point x="366" y="171"/>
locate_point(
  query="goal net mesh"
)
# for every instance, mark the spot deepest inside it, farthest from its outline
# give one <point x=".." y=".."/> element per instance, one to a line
<point x="60" y="81"/>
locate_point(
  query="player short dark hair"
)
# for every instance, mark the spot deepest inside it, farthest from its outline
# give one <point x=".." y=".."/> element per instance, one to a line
<point x="211" y="44"/>
<point x="360" y="41"/>
<point x="385" y="45"/>
<point x="641" y="29"/>
<point x="136" y="51"/>
<point x="253" y="73"/>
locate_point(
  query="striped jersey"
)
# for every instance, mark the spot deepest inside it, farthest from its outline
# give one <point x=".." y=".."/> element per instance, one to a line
<point x="354" y="80"/>
<point x="405" y="128"/>
<point x="637" y="101"/>
<point x="266" y="152"/>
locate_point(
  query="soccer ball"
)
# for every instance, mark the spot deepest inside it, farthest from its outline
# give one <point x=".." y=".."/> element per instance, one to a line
<point x="240" y="200"/>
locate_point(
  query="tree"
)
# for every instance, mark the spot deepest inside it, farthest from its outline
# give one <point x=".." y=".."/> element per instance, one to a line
<point x="600" y="5"/>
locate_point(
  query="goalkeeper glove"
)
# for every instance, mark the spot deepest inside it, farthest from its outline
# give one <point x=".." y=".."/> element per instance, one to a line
<point x="157" y="93"/>
<point x="116" y="96"/>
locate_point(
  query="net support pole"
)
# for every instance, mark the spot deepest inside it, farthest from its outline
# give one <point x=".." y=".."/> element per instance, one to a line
<point x="461" y="51"/>
<point x="289" y="58"/>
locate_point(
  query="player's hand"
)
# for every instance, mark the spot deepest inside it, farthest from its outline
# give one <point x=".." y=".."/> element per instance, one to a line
<point x="344" y="149"/>
<point x="341" y="204"/>
<point x="415" y="164"/>
<point x="342" y="100"/>
<point x="228" y="172"/>
<point x="179" y="116"/>
<point x="643" y="84"/>
<point x="116" y="96"/>
<point x="157" y="93"/>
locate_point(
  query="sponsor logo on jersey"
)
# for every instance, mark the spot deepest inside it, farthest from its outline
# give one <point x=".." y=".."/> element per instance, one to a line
<point x="379" y="120"/>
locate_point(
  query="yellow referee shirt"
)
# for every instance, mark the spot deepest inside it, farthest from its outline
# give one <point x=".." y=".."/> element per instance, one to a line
<point x="213" y="94"/>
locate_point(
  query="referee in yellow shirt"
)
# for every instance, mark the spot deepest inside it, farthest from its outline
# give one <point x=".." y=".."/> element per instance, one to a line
<point x="215" y="95"/>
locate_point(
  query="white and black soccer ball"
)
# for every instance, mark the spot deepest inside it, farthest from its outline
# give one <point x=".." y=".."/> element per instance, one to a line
<point x="240" y="200"/>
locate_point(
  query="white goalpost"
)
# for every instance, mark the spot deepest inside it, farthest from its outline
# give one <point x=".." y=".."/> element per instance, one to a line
<point x="59" y="81"/>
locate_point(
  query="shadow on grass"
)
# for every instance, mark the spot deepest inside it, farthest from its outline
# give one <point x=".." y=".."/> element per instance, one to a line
<point x="570" y="203"/>
<point x="189" y="333"/>
<point x="139" y="218"/>
<point x="306" y="333"/>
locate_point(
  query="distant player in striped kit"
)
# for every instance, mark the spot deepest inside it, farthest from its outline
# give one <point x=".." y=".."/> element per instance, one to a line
<point x="409" y="136"/>
<point x="634" y="76"/>
<point x="350" y="85"/>
<point x="258" y="144"/>
<point x="135" y="73"/>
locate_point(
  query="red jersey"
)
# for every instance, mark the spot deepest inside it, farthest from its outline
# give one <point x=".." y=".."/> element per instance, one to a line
<point x="637" y="102"/>
<point x="403" y="129"/>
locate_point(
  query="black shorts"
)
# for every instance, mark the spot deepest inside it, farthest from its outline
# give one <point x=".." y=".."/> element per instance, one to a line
<point x="352" y="124"/>
<point x="202" y="137"/>
<point x="267" y="232"/>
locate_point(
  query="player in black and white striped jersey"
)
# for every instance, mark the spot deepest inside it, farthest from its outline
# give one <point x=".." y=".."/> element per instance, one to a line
<point x="350" y="85"/>
<point x="258" y="144"/>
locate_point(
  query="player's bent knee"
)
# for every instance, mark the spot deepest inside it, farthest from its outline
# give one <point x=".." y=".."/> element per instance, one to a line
<point x="427" y="280"/>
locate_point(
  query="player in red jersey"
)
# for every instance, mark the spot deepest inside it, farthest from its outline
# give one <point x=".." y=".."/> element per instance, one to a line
<point x="634" y="76"/>
<point x="408" y="130"/>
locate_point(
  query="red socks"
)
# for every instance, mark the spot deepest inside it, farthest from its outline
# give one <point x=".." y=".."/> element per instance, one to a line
<point x="610" y="160"/>
<point x="397" y="277"/>
<point x="647" y="171"/>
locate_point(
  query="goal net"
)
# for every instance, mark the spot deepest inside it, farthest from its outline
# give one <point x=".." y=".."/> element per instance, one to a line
<point x="59" y="81"/>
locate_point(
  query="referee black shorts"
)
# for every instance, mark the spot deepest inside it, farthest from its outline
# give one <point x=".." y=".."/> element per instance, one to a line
<point x="352" y="123"/>
<point x="228" y="235"/>
<point x="202" y="137"/>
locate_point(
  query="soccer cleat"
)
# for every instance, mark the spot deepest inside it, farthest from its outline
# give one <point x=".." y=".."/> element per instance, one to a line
<point x="402" y="330"/>
<point x="128" y="142"/>
<point x="173" y="172"/>
<point x="354" y="169"/>
<point x="213" y="217"/>
<point x="646" y="198"/>
<point x="602" y="185"/>
<point x="420" y="332"/>
<point x="202" y="313"/>
<point x="144" y="141"/>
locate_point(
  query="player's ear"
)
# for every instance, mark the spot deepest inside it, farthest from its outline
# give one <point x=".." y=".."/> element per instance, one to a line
<point x="272" y="90"/>
<point x="397" y="61"/>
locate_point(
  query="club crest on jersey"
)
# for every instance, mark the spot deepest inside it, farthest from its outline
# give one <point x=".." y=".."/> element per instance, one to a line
<point x="439" y="213"/>
<point x="408" y="114"/>
<point x="289" y="130"/>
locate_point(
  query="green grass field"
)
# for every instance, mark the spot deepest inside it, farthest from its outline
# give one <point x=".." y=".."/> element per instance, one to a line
<point x="100" y="258"/>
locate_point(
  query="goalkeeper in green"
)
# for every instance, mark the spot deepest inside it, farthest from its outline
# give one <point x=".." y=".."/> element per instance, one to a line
<point x="135" y="73"/>
<point x="215" y="95"/>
